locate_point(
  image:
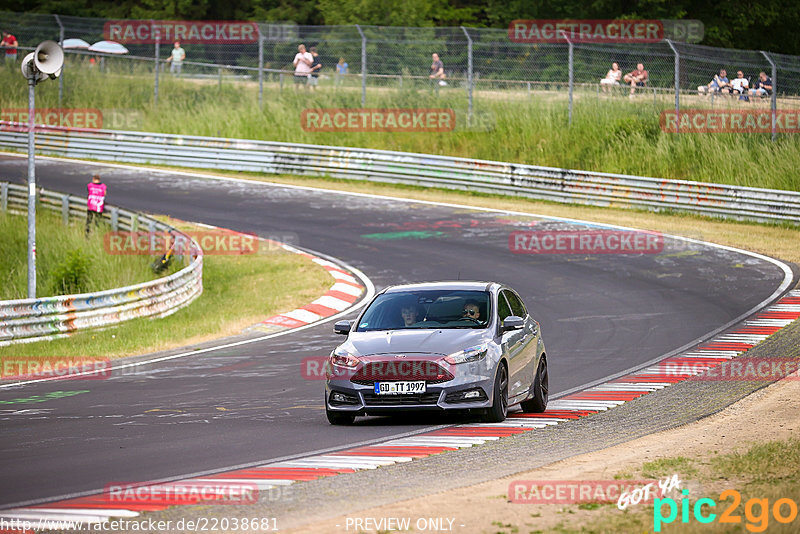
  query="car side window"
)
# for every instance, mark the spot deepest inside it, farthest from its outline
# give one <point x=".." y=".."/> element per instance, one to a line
<point x="503" y="309"/>
<point x="517" y="307"/>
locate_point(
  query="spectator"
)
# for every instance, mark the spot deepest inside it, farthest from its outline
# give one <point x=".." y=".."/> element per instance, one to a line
<point x="95" y="202"/>
<point x="302" y="66"/>
<point x="613" y="76"/>
<point x="10" y="43"/>
<point x="437" y="70"/>
<point x="763" y="86"/>
<point x="740" y="85"/>
<point x="316" y="65"/>
<point x="720" y="83"/>
<point x="341" y="70"/>
<point x="636" y="78"/>
<point x="176" y="59"/>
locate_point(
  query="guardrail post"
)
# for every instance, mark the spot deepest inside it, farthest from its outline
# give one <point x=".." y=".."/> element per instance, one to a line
<point x="571" y="73"/>
<point x="134" y="222"/>
<point x="363" y="66"/>
<point x="469" y="73"/>
<point x="65" y="209"/>
<point x="677" y="85"/>
<point x="260" y="68"/>
<point x="773" y="100"/>
<point x="4" y="196"/>
<point x="115" y="218"/>
<point x="156" y="52"/>
<point x="60" y="76"/>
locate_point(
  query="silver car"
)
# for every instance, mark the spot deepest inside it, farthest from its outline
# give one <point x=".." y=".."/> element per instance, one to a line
<point x="438" y="346"/>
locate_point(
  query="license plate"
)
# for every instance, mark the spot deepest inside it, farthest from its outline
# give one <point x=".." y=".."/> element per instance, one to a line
<point x="399" y="388"/>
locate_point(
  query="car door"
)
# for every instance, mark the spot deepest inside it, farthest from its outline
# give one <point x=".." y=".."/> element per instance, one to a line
<point x="530" y="346"/>
<point x="514" y="342"/>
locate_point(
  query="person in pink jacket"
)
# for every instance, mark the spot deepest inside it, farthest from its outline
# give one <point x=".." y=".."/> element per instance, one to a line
<point x="95" y="201"/>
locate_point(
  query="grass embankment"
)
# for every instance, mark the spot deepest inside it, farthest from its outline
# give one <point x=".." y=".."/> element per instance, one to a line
<point x="238" y="291"/>
<point x="764" y="472"/>
<point x="66" y="261"/>
<point x="611" y="134"/>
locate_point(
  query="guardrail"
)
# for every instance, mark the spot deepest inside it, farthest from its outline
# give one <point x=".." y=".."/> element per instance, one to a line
<point x="545" y="183"/>
<point x="51" y="317"/>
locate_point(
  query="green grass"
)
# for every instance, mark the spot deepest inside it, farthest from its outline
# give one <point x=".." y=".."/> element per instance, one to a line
<point x="238" y="291"/>
<point x="768" y="471"/>
<point x="608" y="134"/>
<point x="66" y="262"/>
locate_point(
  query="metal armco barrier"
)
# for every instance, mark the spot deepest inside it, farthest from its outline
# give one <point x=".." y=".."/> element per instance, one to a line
<point x="52" y="317"/>
<point x="545" y="183"/>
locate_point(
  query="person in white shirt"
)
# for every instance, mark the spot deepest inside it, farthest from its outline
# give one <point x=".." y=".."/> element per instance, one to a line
<point x="302" y="66"/>
<point x="176" y="58"/>
<point x="739" y="85"/>
<point x="613" y="76"/>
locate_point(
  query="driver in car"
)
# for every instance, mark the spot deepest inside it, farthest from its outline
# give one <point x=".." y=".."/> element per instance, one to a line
<point x="471" y="310"/>
<point x="409" y="314"/>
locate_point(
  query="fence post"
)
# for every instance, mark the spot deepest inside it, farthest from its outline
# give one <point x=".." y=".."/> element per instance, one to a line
<point x="61" y="76"/>
<point x="469" y="73"/>
<point x="157" y="52"/>
<point x="3" y="196"/>
<point x="260" y="68"/>
<point x="363" y="67"/>
<point x="280" y="80"/>
<point x="773" y="100"/>
<point x="65" y="209"/>
<point x="677" y="85"/>
<point x="115" y="218"/>
<point x="571" y="73"/>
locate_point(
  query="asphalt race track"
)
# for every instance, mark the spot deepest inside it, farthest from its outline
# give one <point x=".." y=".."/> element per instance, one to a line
<point x="600" y="314"/>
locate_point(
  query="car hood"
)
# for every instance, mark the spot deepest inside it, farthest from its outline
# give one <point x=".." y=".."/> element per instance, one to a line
<point x="445" y="341"/>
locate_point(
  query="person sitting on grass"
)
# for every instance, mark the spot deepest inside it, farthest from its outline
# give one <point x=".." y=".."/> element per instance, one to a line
<point x="763" y="86"/>
<point x="613" y="76"/>
<point x="740" y="86"/>
<point x="636" y="78"/>
<point x="720" y="83"/>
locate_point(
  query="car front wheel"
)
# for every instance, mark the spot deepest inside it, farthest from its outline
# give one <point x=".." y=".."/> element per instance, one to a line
<point x="541" y="385"/>
<point x="338" y="418"/>
<point x="497" y="413"/>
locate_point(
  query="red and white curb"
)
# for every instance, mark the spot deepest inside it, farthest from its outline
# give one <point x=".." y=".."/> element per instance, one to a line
<point x="99" y="508"/>
<point x="345" y="292"/>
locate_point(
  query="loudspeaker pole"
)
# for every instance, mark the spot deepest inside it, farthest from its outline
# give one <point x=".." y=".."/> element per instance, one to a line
<point x="43" y="63"/>
<point x="31" y="190"/>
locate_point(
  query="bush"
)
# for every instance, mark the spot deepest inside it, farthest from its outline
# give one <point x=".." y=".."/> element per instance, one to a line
<point x="72" y="274"/>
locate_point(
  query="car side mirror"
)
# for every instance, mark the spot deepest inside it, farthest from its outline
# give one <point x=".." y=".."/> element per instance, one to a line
<point x="343" y="327"/>
<point x="512" y="322"/>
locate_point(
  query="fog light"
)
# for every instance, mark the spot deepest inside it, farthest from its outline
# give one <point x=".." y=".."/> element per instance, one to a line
<point x="472" y="394"/>
<point x="338" y="397"/>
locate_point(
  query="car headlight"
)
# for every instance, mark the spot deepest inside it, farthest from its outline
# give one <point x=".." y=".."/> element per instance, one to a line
<point x="472" y="354"/>
<point x="342" y="358"/>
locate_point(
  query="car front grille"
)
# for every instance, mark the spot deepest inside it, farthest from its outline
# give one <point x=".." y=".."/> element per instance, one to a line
<point x="429" y="371"/>
<point x="370" y="399"/>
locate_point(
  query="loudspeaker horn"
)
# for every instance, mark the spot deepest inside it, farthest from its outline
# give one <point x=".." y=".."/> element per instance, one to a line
<point x="49" y="58"/>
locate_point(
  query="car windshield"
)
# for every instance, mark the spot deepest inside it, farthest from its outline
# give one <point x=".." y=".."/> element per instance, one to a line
<point x="445" y="308"/>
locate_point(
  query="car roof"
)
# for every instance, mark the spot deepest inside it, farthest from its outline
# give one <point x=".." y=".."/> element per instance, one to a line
<point x="466" y="285"/>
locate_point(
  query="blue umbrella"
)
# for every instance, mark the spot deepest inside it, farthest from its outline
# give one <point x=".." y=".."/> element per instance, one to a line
<point x="74" y="44"/>
<point x="108" y="47"/>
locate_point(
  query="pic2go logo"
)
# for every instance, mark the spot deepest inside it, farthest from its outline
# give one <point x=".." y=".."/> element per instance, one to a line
<point x="756" y="511"/>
